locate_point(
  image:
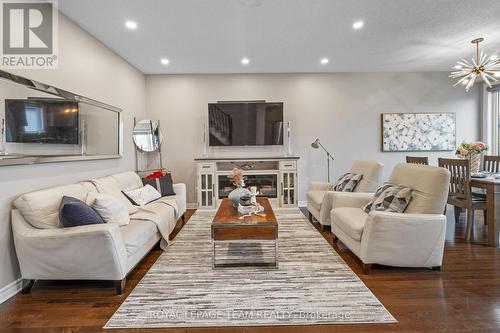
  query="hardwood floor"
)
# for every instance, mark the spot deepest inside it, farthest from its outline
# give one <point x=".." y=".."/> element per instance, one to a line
<point x="463" y="297"/>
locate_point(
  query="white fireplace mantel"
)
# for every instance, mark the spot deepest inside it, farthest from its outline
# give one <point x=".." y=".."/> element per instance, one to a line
<point x="276" y="177"/>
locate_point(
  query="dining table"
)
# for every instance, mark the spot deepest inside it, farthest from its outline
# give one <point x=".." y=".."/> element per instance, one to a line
<point x="491" y="186"/>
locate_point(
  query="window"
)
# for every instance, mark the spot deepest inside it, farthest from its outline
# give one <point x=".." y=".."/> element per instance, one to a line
<point x="491" y="119"/>
<point x="34" y="119"/>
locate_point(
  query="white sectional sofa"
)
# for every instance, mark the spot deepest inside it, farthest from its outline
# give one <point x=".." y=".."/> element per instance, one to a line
<point x="48" y="251"/>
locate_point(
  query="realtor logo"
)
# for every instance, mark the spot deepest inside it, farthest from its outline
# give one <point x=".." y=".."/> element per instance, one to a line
<point x="29" y="31"/>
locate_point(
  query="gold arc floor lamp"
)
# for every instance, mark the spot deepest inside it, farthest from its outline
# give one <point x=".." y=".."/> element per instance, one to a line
<point x="317" y="144"/>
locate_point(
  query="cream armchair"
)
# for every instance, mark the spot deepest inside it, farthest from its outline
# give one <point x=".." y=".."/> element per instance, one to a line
<point x="414" y="238"/>
<point x="317" y="192"/>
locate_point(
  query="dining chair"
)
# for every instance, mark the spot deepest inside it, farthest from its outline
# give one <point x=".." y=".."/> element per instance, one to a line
<point x="417" y="160"/>
<point x="460" y="193"/>
<point x="491" y="163"/>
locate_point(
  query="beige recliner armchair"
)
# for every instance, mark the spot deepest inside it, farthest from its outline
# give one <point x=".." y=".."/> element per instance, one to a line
<point x="414" y="238"/>
<point x="371" y="171"/>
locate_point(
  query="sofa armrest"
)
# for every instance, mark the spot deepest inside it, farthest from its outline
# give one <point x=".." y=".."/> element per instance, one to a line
<point x="348" y="199"/>
<point x="320" y="186"/>
<point x="341" y="199"/>
<point x="180" y="189"/>
<point x="86" y="252"/>
<point x="403" y="240"/>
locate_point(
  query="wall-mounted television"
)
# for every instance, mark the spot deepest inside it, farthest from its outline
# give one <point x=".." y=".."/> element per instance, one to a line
<point x="245" y="124"/>
<point x="41" y="121"/>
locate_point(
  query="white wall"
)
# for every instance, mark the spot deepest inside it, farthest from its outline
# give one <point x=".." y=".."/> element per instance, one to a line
<point x="343" y="109"/>
<point x="88" y="68"/>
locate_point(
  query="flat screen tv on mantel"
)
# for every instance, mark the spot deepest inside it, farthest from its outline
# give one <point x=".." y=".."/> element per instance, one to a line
<point x="245" y="124"/>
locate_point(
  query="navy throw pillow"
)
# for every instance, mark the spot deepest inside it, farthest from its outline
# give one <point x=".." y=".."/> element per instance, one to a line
<point x="74" y="212"/>
<point x="164" y="185"/>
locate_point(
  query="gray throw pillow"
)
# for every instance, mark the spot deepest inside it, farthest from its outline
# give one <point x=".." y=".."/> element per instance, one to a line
<point x="74" y="213"/>
<point x="164" y="184"/>
<point x="390" y="198"/>
<point x="347" y="182"/>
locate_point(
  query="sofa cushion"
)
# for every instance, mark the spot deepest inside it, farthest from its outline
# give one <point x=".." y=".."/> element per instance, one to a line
<point x="164" y="184"/>
<point x="315" y="198"/>
<point x="136" y="234"/>
<point x="142" y="195"/>
<point x="347" y="182"/>
<point x="41" y="208"/>
<point x="109" y="208"/>
<point x="165" y="211"/>
<point x="74" y="213"/>
<point x="389" y="198"/>
<point x="351" y="220"/>
<point x="111" y="186"/>
<point x="429" y="183"/>
<point x="371" y="171"/>
<point x="128" y="180"/>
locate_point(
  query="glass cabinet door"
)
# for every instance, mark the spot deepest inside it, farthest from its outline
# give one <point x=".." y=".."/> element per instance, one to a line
<point x="288" y="189"/>
<point x="206" y="190"/>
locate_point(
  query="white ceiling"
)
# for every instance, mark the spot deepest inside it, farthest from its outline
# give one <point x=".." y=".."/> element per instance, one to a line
<point x="211" y="36"/>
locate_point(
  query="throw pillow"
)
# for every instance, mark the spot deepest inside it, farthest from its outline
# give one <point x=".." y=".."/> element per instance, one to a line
<point x="347" y="182"/>
<point x="164" y="184"/>
<point x="109" y="208"/>
<point x="142" y="195"/>
<point x="74" y="212"/>
<point x="390" y="198"/>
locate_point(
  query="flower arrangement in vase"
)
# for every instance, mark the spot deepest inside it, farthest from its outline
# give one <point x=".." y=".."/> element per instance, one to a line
<point x="472" y="151"/>
<point x="236" y="176"/>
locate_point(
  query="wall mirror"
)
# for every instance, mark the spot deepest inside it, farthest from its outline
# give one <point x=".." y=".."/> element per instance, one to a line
<point x="41" y="124"/>
<point x="147" y="135"/>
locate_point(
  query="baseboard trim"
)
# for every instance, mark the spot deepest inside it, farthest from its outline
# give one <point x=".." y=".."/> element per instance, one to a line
<point x="191" y="205"/>
<point x="10" y="290"/>
<point x="302" y="203"/>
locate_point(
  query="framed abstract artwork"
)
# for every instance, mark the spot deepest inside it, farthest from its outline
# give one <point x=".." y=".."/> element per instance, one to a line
<point x="418" y="131"/>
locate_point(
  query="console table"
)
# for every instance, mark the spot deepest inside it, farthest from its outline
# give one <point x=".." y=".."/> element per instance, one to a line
<point x="275" y="177"/>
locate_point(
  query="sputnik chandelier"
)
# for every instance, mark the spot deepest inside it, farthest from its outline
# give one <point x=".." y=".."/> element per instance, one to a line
<point x="486" y="68"/>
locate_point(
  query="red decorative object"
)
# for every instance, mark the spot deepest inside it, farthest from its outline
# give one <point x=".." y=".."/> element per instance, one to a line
<point x="156" y="174"/>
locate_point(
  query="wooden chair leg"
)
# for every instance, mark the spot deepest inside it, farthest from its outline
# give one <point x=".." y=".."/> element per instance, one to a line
<point x="27" y="285"/>
<point x="366" y="268"/>
<point x="457" y="211"/>
<point x="469" y="229"/>
<point x="120" y="286"/>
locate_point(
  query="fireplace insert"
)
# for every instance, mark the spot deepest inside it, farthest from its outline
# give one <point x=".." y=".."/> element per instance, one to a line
<point x="267" y="184"/>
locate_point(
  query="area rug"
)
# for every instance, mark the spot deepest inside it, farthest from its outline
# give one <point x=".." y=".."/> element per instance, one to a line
<point x="312" y="284"/>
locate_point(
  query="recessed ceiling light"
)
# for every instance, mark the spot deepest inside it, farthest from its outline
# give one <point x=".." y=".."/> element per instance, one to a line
<point x="245" y="61"/>
<point x="358" y="25"/>
<point x="164" y="61"/>
<point x="324" y="61"/>
<point x="131" y="25"/>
